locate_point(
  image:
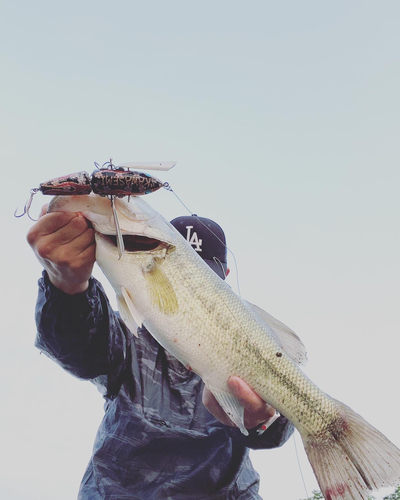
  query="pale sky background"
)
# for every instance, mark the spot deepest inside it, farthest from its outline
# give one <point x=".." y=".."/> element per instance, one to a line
<point x="284" y="120"/>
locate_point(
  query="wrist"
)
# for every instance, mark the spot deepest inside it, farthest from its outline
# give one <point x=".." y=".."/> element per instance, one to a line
<point x="75" y="289"/>
<point x="69" y="288"/>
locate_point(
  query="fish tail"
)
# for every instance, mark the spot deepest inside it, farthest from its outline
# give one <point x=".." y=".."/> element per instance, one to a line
<point x="352" y="458"/>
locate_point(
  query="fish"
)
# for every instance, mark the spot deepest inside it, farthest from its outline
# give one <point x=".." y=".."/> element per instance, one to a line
<point x="163" y="284"/>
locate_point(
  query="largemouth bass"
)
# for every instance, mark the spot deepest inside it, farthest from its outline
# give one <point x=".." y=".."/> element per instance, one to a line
<point x="162" y="283"/>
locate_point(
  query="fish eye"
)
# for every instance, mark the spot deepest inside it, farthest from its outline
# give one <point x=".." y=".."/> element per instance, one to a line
<point x="135" y="243"/>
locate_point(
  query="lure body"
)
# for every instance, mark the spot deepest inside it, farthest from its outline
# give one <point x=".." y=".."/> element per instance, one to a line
<point x="120" y="182"/>
<point x="72" y="184"/>
<point x="105" y="182"/>
<point x="108" y="180"/>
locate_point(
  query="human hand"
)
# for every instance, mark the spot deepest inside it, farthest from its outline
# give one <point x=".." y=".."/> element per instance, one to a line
<point x="64" y="244"/>
<point x="256" y="411"/>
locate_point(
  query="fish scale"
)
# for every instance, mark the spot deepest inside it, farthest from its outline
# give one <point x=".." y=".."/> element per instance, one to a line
<point x="198" y="318"/>
<point x="257" y="346"/>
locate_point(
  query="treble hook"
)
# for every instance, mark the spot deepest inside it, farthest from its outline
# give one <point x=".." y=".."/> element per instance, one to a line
<point x="28" y="205"/>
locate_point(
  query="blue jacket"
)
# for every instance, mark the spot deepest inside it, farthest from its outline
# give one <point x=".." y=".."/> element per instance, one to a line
<point x="157" y="440"/>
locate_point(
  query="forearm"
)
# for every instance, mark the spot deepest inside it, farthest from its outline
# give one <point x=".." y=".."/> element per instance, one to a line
<point x="80" y="332"/>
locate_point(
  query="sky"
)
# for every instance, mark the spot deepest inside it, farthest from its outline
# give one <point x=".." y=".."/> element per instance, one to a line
<point x="283" y="118"/>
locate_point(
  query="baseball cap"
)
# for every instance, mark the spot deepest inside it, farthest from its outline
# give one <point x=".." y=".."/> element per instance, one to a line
<point x="207" y="239"/>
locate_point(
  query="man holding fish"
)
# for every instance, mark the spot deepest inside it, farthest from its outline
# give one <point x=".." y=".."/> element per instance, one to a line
<point x="157" y="440"/>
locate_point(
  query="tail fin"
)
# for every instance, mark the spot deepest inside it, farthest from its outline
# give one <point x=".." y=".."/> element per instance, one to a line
<point x="353" y="459"/>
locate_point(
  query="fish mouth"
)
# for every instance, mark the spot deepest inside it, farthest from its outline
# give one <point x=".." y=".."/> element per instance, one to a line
<point x="136" y="243"/>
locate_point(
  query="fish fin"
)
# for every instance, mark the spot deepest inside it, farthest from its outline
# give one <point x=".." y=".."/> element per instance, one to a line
<point x="285" y="336"/>
<point x="129" y="312"/>
<point x="232" y="407"/>
<point x="354" y="459"/>
<point x="161" y="291"/>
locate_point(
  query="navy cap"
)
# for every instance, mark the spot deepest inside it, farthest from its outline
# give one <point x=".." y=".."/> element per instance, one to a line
<point x="207" y="238"/>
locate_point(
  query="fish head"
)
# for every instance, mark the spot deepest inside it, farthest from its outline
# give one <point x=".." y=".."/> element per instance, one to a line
<point x="138" y="276"/>
<point x="143" y="228"/>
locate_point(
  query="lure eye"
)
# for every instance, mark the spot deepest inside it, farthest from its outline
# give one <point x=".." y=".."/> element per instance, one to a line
<point x="134" y="243"/>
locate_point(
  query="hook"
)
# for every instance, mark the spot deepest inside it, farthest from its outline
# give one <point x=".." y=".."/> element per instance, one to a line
<point x="118" y="233"/>
<point x="27" y="205"/>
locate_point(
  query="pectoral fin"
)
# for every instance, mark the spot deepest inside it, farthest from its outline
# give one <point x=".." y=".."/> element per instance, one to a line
<point x="129" y="312"/>
<point x="232" y="407"/>
<point x="161" y="291"/>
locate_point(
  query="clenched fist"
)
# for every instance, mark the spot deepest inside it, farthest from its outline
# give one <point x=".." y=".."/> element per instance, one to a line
<point x="64" y="244"/>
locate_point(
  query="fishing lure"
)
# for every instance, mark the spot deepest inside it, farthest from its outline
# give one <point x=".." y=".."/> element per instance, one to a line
<point x="119" y="182"/>
<point x="108" y="180"/>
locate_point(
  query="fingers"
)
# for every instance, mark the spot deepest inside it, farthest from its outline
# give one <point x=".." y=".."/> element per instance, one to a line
<point x="74" y="238"/>
<point x="245" y="395"/>
<point x="52" y="231"/>
<point x="71" y="251"/>
<point x="64" y="244"/>
<point x="43" y="210"/>
<point x="256" y="410"/>
<point x="214" y="407"/>
<point x="65" y="224"/>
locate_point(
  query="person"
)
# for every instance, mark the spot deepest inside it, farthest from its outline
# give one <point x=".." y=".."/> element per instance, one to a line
<point x="163" y="435"/>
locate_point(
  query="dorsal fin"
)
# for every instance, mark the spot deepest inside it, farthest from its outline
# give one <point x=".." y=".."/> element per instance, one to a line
<point x="286" y="338"/>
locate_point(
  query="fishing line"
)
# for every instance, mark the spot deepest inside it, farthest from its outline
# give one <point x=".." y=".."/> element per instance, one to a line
<point x="298" y="463"/>
<point x="219" y="263"/>
<point x="169" y="188"/>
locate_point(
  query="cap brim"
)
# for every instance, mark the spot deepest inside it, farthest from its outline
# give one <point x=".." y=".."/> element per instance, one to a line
<point x="216" y="267"/>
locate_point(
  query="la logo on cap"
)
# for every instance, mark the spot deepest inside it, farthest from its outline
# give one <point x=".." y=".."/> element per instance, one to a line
<point x="193" y="239"/>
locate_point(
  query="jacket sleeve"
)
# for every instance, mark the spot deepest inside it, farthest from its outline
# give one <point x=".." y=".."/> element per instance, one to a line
<point x="82" y="334"/>
<point x="275" y="436"/>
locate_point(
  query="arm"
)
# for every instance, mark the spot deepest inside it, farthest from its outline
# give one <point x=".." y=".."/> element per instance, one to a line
<point x="76" y="324"/>
<point x="80" y="332"/>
